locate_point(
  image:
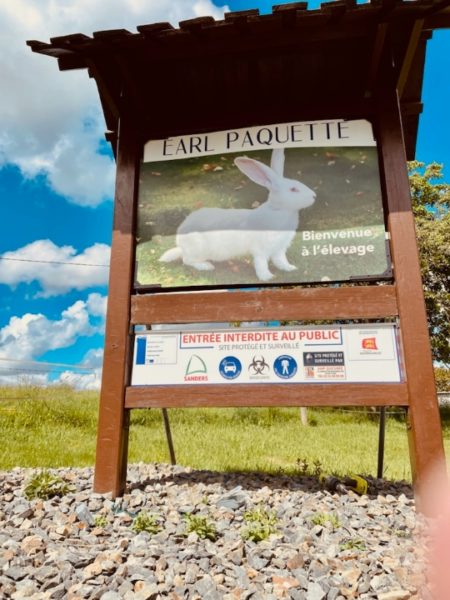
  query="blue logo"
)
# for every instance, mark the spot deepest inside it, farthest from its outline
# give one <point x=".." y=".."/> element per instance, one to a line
<point x="230" y="367"/>
<point x="285" y="366"/>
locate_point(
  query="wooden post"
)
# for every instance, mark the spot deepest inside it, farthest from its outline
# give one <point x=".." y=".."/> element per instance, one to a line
<point x="112" y="438"/>
<point x="304" y="415"/>
<point x="424" y="426"/>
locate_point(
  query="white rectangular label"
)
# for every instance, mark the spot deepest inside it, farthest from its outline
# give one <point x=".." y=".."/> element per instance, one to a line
<point x="308" y="134"/>
<point x="352" y="353"/>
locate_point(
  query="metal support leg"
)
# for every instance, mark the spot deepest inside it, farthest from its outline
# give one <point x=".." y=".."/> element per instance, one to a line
<point x="381" y="437"/>
<point x="169" y="436"/>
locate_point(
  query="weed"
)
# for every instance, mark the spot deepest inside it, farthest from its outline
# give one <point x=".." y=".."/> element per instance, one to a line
<point x="402" y="533"/>
<point x="201" y="526"/>
<point x="305" y="470"/>
<point x="100" y="521"/>
<point x="261" y="523"/>
<point x="45" y="485"/>
<point x="302" y="467"/>
<point x="325" y="519"/>
<point x="145" y="522"/>
<point x="353" y="544"/>
<point x="317" y="468"/>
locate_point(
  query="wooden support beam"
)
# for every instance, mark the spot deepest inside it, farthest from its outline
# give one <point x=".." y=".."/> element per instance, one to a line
<point x="273" y="394"/>
<point x="371" y="302"/>
<point x="112" y="439"/>
<point x="409" y="56"/>
<point x="104" y="89"/>
<point x="424" y="428"/>
<point x="375" y="60"/>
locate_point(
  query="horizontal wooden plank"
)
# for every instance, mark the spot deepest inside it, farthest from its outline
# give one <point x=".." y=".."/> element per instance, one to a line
<point x="154" y="28"/>
<point x="241" y="14"/>
<point x="370" y="302"/>
<point x="197" y="23"/>
<point x="274" y="394"/>
<point x="289" y="7"/>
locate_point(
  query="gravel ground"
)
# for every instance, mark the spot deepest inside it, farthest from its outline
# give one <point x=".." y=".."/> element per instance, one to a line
<point x="327" y="546"/>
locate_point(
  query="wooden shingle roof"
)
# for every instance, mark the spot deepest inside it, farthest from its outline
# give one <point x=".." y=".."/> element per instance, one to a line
<point x="248" y="69"/>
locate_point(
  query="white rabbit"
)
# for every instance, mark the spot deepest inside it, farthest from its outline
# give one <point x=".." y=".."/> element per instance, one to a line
<point x="265" y="233"/>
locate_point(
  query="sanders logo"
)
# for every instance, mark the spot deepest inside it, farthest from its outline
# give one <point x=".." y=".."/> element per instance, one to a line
<point x="369" y="343"/>
<point x="196" y="369"/>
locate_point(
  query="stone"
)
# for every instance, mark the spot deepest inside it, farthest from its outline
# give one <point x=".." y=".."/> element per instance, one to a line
<point x="111" y="595"/>
<point x="51" y="549"/>
<point x="148" y="591"/>
<point x="284" y="583"/>
<point x="256" y="561"/>
<point x="16" y="573"/>
<point x="58" y="592"/>
<point x="191" y="574"/>
<point x="315" y="591"/>
<point x="295" y="562"/>
<point x="394" y="595"/>
<point x="84" y="514"/>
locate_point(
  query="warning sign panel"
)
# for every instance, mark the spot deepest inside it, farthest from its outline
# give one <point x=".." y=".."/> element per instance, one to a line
<point x="268" y="355"/>
<point x="324" y="365"/>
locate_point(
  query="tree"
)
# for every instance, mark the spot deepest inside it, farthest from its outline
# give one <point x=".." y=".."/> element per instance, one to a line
<point x="431" y="207"/>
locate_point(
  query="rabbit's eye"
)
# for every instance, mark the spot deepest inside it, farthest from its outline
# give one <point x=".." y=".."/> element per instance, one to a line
<point x="294" y="189"/>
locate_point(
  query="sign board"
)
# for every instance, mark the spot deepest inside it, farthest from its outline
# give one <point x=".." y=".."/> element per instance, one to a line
<point x="337" y="354"/>
<point x="298" y="201"/>
<point x="285" y="203"/>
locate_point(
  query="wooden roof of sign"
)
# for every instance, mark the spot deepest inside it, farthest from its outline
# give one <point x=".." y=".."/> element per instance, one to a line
<point x="252" y="69"/>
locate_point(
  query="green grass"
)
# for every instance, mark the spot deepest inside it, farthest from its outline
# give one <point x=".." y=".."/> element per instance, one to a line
<point x="56" y="427"/>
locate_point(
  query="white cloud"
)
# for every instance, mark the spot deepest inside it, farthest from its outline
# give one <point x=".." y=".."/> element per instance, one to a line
<point x="51" y="122"/>
<point x="93" y="360"/>
<point x="32" y="335"/>
<point x="55" y="279"/>
<point x="87" y="375"/>
<point x="17" y="377"/>
<point x="80" y="381"/>
<point x="96" y="305"/>
<point x="87" y="380"/>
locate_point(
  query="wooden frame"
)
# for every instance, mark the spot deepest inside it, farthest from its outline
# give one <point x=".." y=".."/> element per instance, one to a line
<point x="402" y="300"/>
<point x="378" y="50"/>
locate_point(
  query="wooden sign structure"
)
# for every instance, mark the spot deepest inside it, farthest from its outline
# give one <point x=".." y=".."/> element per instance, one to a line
<point x="342" y="61"/>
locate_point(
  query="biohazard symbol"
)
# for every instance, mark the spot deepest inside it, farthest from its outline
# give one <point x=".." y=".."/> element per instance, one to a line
<point x="258" y="365"/>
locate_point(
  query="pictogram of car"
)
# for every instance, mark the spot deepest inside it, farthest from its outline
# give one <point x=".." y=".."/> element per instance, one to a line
<point x="229" y="368"/>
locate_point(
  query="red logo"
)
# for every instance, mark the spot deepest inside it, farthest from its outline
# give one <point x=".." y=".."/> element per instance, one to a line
<point x="369" y="343"/>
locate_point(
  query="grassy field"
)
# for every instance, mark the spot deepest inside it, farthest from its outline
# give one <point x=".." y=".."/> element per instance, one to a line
<point x="57" y="427"/>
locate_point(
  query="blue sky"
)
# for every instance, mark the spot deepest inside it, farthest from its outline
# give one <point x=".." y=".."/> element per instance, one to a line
<point x="56" y="180"/>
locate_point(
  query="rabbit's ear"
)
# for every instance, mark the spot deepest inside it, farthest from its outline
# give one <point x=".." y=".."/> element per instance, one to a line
<point x="256" y="171"/>
<point x="277" y="160"/>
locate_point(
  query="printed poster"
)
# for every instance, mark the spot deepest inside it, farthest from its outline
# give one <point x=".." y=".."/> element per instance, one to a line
<point x="279" y="204"/>
<point x="326" y="354"/>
